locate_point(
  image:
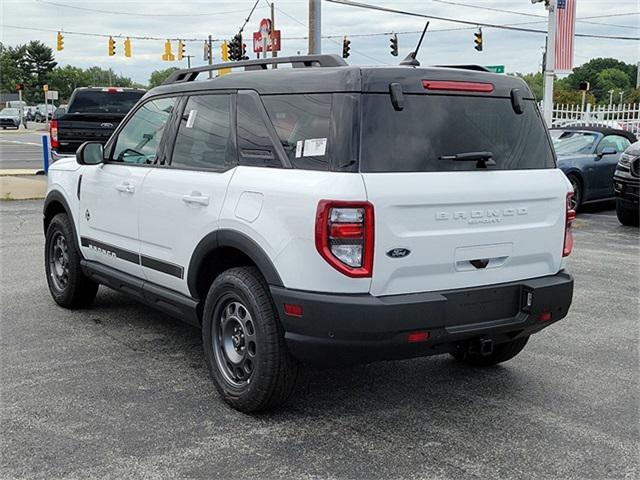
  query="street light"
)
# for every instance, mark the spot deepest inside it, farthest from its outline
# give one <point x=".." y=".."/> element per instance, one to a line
<point x="611" y="97"/>
<point x="621" y="95"/>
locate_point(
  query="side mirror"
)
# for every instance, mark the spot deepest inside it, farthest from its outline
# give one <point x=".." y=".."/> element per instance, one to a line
<point x="90" y="153"/>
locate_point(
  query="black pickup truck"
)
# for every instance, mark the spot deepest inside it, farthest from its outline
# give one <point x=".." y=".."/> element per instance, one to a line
<point x="92" y="114"/>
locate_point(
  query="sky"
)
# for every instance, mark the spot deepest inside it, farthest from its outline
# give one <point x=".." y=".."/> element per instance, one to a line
<point x="446" y="43"/>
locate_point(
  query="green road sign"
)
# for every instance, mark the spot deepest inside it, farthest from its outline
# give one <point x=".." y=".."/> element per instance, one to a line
<point x="495" y="68"/>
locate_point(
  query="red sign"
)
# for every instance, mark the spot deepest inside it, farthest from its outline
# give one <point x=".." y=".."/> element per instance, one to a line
<point x="266" y="33"/>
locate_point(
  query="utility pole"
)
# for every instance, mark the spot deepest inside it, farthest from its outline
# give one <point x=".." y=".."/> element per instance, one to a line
<point x="188" y="57"/>
<point x="210" y="59"/>
<point x="638" y="75"/>
<point x="315" y="27"/>
<point x="550" y="61"/>
<point x="273" y="35"/>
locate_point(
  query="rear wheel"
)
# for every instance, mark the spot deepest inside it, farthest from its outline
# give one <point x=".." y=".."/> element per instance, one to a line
<point x="576" y="184"/>
<point x="626" y="216"/>
<point x="69" y="287"/>
<point x="501" y="353"/>
<point x="244" y="342"/>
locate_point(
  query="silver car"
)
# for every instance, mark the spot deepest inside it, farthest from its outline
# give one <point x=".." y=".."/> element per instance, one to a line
<point x="9" y="117"/>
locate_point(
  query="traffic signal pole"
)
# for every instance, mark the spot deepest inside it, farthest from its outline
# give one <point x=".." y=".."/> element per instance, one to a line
<point x="315" y="27"/>
<point x="210" y="59"/>
<point x="550" y="62"/>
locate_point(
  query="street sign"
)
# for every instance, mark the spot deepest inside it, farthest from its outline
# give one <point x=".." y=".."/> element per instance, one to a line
<point x="52" y="95"/>
<point x="495" y="68"/>
<point x="264" y="34"/>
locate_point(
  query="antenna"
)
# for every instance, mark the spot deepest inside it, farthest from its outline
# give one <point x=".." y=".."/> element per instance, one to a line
<point x="410" y="60"/>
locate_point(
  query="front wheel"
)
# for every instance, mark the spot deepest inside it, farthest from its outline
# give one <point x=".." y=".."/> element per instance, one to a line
<point x="626" y="216"/>
<point x="244" y="342"/>
<point x="501" y="353"/>
<point x="69" y="287"/>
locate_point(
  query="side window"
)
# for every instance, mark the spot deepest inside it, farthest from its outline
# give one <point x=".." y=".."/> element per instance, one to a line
<point x="615" y="141"/>
<point x="138" y="141"/>
<point x="303" y="126"/>
<point x="254" y="142"/>
<point x="204" y="136"/>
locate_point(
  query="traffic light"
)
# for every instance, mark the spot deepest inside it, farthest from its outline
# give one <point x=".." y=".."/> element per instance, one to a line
<point x="346" y="47"/>
<point x="235" y="47"/>
<point x="112" y="47"/>
<point x="127" y="47"/>
<point x="224" y="51"/>
<point x="584" y="86"/>
<point x="243" y="51"/>
<point x="394" y="45"/>
<point x="167" y="56"/>
<point x="181" y="53"/>
<point x="478" y="40"/>
<point x="207" y="52"/>
<point x="59" y="42"/>
<point x="19" y="87"/>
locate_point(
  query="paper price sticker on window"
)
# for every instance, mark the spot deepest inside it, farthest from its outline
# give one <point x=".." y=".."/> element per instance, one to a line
<point x="192" y="118"/>
<point x="315" y="147"/>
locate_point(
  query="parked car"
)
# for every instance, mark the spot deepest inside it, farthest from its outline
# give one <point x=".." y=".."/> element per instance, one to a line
<point x="30" y="113"/>
<point x="626" y="183"/>
<point x="91" y="114"/>
<point x="44" y="112"/>
<point x="316" y="214"/>
<point x="588" y="156"/>
<point x="61" y="110"/>
<point x="9" y="117"/>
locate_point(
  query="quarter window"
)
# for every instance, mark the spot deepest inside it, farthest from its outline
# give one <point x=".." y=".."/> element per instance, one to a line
<point x="138" y="141"/>
<point x="254" y="141"/>
<point x="303" y="126"/>
<point x="204" y="136"/>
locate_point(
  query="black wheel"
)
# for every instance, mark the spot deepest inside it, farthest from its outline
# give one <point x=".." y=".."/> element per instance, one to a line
<point x="576" y="200"/>
<point x="244" y="342"/>
<point x="626" y="216"/>
<point x="69" y="287"/>
<point x="501" y="353"/>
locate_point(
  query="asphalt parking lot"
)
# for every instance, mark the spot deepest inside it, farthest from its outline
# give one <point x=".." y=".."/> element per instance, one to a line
<point x="120" y="391"/>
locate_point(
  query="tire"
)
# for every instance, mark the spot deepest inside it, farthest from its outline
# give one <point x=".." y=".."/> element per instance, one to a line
<point x="69" y="287"/>
<point x="626" y="216"/>
<point x="578" y="190"/>
<point x="501" y="353"/>
<point x="244" y="342"/>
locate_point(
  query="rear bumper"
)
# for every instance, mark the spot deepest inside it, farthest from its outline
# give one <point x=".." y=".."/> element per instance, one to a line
<point x="339" y="328"/>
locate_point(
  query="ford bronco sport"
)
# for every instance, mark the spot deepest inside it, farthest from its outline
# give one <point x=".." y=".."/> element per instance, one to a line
<point x="323" y="213"/>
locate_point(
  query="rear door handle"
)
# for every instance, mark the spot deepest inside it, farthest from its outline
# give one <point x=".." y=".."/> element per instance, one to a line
<point x="196" y="198"/>
<point x="126" y="187"/>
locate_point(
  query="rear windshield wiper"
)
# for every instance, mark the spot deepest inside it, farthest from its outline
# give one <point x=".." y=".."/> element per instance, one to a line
<point x="482" y="159"/>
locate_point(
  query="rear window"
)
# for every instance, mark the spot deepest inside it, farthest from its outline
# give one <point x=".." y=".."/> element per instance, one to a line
<point x="434" y="126"/>
<point x="98" y="101"/>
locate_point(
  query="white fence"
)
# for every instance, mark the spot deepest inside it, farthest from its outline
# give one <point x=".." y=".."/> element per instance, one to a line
<point x="624" y="116"/>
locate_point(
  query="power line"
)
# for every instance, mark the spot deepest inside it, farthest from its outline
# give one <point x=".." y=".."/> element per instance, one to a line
<point x="524" y="14"/>
<point x="109" y="12"/>
<point x="466" y="22"/>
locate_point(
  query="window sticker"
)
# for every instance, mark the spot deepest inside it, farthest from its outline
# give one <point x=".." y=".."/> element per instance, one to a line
<point x="298" y="148"/>
<point x="315" y="147"/>
<point x="192" y="118"/>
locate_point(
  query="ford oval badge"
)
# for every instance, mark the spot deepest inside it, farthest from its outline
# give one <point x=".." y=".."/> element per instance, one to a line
<point x="398" y="252"/>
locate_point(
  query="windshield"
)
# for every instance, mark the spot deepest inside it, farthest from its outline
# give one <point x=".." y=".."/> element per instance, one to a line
<point x="432" y="132"/>
<point x="567" y="142"/>
<point x="9" y="111"/>
<point x="98" y="101"/>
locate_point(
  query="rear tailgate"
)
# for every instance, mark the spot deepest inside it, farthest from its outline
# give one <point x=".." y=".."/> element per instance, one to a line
<point x="464" y="188"/>
<point x="76" y="128"/>
<point x="465" y="229"/>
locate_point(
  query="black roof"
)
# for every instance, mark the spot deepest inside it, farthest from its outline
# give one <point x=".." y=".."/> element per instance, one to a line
<point x="599" y="129"/>
<point x="329" y="78"/>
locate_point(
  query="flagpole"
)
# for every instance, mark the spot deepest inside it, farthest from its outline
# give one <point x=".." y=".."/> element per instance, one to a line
<point x="547" y="98"/>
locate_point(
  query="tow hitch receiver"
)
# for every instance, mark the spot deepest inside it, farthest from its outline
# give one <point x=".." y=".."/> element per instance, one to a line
<point x="485" y="347"/>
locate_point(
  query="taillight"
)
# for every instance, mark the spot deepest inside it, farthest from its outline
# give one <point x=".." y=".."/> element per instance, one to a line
<point x="568" y="234"/>
<point x="53" y="133"/>
<point x="344" y="236"/>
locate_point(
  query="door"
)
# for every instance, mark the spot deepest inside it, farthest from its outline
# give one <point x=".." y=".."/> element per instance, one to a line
<point x="468" y="193"/>
<point x="110" y="192"/>
<point x="182" y="200"/>
<point x="605" y="163"/>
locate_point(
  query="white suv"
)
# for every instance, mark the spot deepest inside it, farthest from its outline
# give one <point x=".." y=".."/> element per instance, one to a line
<point x="323" y="214"/>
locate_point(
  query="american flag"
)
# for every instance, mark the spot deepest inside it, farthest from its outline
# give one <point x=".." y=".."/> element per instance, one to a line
<point x="565" y="26"/>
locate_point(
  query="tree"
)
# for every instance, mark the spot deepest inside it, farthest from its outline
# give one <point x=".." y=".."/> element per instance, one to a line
<point x="611" y="79"/>
<point x="66" y="79"/>
<point x="159" y="76"/>
<point x="589" y="71"/>
<point x="39" y="62"/>
<point x="535" y="82"/>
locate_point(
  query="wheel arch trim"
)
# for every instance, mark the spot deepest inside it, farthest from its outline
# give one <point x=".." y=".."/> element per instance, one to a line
<point x="54" y="196"/>
<point x="233" y="239"/>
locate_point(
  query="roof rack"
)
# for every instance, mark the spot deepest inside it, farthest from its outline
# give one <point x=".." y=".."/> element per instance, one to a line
<point x="300" y="61"/>
<point x="477" y="68"/>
